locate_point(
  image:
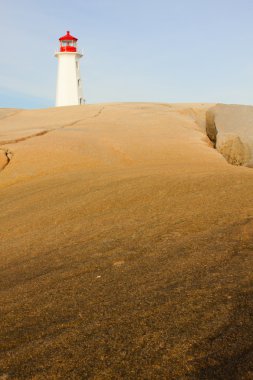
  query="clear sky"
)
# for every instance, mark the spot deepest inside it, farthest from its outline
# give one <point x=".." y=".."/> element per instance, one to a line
<point x="135" y="50"/>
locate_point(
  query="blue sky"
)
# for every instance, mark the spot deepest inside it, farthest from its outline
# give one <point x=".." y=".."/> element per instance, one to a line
<point x="135" y="50"/>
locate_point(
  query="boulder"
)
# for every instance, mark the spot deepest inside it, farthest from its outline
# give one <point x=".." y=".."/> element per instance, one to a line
<point x="230" y="128"/>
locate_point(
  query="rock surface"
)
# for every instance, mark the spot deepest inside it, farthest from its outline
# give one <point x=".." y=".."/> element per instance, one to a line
<point x="125" y="247"/>
<point x="230" y="127"/>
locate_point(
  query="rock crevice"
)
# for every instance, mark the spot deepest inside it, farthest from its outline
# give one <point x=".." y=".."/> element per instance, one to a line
<point x="5" y="158"/>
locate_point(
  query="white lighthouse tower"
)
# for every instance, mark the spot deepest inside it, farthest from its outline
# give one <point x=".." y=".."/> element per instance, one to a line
<point x="69" y="85"/>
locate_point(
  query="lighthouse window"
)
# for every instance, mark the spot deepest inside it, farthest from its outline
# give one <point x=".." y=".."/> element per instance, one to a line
<point x="68" y="43"/>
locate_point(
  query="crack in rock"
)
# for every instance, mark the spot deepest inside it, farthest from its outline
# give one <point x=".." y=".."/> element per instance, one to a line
<point x="41" y="133"/>
<point x="15" y="141"/>
<point x="99" y="112"/>
<point x="8" y="154"/>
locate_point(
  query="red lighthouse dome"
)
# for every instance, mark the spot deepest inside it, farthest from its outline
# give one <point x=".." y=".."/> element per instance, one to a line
<point x="68" y="43"/>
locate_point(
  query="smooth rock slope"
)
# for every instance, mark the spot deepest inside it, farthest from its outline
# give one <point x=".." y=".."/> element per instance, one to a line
<point x="125" y="246"/>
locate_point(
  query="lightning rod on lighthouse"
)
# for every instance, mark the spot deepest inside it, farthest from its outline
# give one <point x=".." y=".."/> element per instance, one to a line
<point x="69" y="84"/>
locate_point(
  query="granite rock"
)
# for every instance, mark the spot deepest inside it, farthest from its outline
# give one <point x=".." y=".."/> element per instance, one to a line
<point x="230" y="128"/>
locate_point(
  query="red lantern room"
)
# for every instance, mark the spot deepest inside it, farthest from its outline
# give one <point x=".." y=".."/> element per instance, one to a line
<point x="68" y="43"/>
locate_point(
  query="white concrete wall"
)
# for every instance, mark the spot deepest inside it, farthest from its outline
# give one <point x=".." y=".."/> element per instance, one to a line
<point x="69" y="86"/>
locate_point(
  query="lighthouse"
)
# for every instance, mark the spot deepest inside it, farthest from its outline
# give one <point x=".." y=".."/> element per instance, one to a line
<point x="69" y="85"/>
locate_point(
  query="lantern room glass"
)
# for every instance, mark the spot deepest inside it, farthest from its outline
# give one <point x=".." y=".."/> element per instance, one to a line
<point x="68" y="43"/>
